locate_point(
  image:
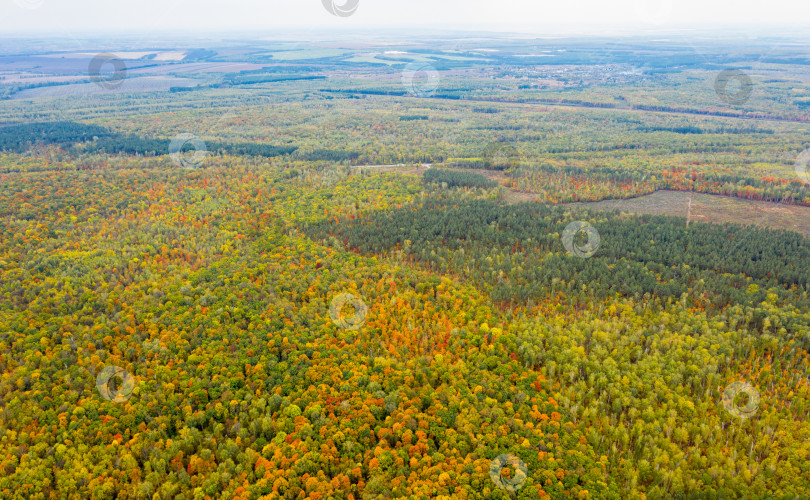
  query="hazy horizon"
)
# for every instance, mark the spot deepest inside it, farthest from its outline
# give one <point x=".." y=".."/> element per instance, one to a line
<point x="585" y="17"/>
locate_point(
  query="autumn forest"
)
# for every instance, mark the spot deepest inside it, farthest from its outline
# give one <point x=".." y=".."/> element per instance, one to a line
<point x="333" y="270"/>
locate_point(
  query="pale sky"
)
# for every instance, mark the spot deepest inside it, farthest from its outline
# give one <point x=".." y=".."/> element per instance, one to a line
<point x="74" y="17"/>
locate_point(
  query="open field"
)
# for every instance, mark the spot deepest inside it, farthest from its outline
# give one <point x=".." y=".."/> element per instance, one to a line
<point x="134" y="84"/>
<point x="704" y="207"/>
<point x="711" y="208"/>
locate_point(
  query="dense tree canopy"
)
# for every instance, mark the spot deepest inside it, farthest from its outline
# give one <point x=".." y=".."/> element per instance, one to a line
<point x="276" y="324"/>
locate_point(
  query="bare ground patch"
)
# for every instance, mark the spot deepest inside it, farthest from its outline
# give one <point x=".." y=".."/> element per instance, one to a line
<point x="711" y="208"/>
<point x="705" y="207"/>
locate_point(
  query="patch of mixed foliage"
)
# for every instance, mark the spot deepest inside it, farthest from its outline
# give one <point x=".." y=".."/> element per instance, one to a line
<point x="454" y="178"/>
